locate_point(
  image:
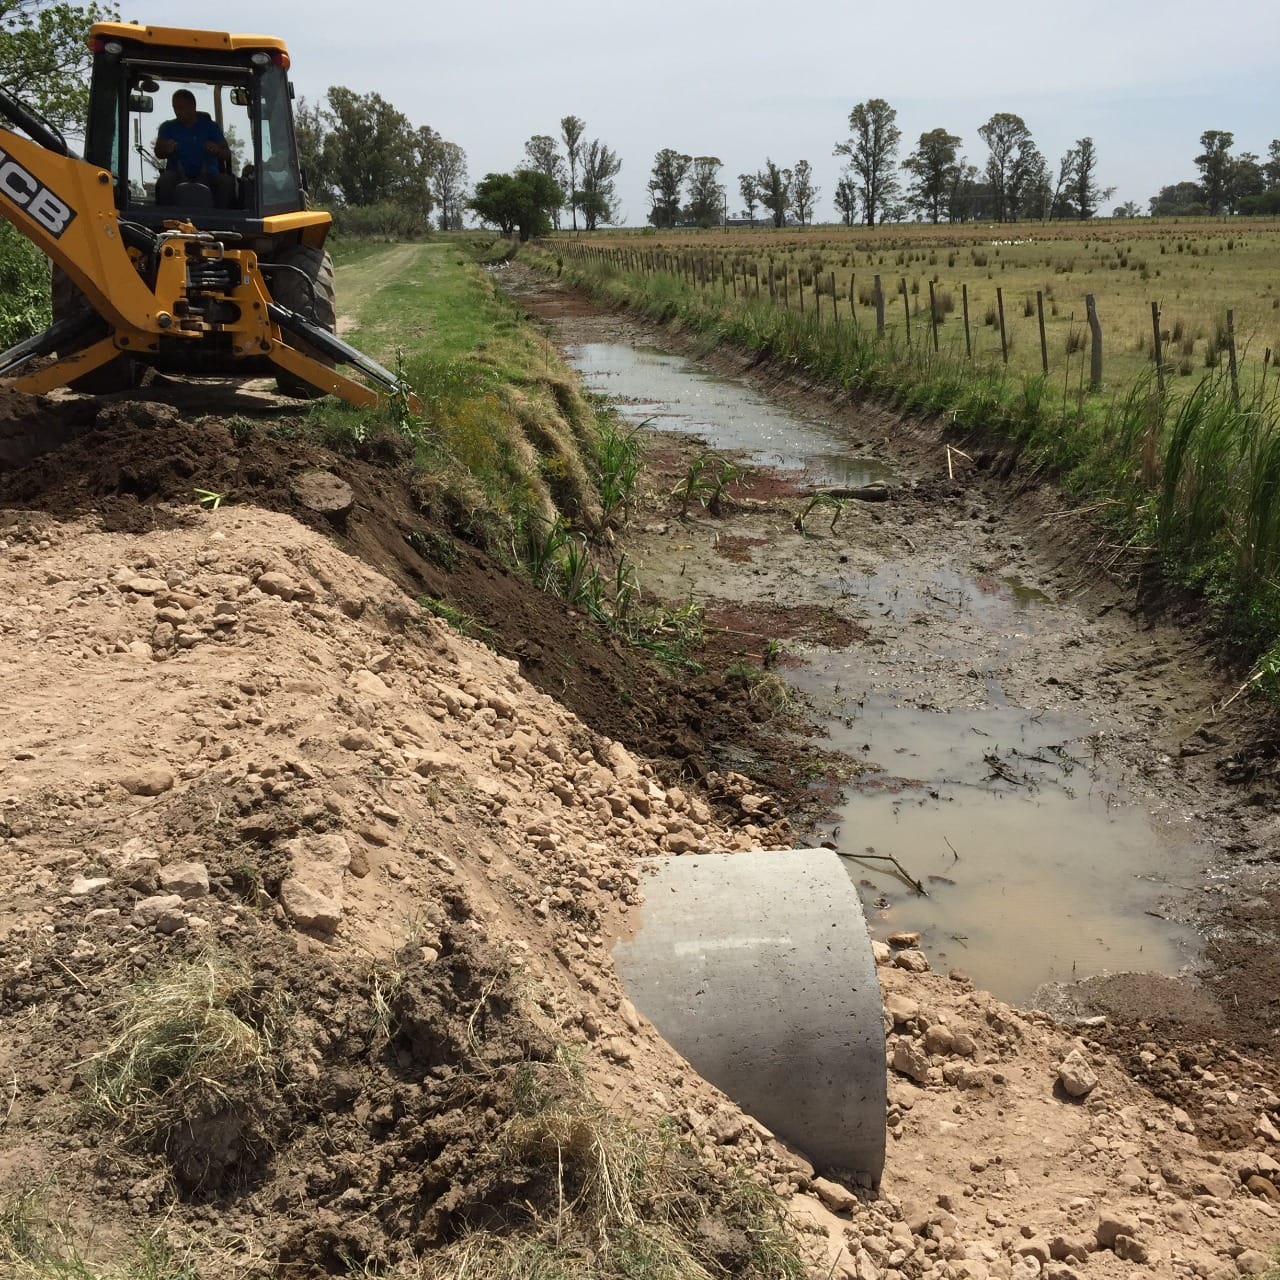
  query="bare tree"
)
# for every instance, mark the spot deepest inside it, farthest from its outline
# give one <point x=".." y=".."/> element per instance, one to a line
<point x="804" y="195"/>
<point x="571" y="130"/>
<point x="872" y="149"/>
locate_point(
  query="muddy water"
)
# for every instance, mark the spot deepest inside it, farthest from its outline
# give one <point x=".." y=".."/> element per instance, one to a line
<point x="669" y="393"/>
<point x="1033" y="863"/>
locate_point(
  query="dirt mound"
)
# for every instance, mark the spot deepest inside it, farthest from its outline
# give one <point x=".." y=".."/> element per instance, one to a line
<point x="142" y="463"/>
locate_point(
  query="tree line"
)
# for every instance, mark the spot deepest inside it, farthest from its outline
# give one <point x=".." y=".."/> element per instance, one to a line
<point x="935" y="181"/>
<point x="1233" y="184"/>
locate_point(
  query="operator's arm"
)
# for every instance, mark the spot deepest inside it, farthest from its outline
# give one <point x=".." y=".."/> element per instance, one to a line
<point x="165" y="145"/>
<point x="217" y="145"/>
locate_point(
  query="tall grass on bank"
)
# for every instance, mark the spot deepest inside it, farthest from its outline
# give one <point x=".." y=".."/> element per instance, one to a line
<point x="1196" y="478"/>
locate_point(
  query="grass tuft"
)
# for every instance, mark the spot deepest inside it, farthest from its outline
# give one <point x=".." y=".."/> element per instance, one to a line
<point x="188" y="1044"/>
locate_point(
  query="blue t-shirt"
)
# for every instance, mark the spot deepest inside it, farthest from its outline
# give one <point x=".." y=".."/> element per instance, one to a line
<point x="191" y="157"/>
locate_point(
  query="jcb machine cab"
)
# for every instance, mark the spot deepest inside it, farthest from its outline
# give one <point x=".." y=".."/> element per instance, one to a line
<point x="203" y="259"/>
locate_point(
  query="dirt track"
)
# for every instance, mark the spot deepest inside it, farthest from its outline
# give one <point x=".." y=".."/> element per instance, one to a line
<point x="230" y="712"/>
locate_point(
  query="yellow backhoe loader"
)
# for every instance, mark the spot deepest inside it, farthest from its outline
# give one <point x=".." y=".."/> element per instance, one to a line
<point x="218" y="272"/>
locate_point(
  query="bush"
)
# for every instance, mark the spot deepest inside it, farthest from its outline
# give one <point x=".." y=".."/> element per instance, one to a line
<point x="24" y="288"/>
<point x="385" y="221"/>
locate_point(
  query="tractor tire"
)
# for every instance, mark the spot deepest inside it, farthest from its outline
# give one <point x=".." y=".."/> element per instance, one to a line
<point x="121" y="374"/>
<point x="290" y="291"/>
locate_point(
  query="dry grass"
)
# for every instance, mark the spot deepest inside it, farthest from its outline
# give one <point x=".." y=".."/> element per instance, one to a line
<point x="1195" y="269"/>
<point x="186" y="1044"/>
<point x="628" y="1202"/>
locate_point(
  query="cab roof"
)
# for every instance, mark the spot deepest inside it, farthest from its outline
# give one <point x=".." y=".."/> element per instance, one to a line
<point x="182" y="37"/>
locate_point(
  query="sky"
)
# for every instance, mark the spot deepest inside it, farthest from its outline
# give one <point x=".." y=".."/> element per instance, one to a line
<point x="747" y="81"/>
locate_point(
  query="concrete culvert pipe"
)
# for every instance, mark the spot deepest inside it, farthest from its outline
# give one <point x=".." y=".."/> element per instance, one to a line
<point x="758" y="968"/>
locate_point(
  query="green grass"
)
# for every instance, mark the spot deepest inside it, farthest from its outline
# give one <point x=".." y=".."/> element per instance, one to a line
<point x="505" y="440"/>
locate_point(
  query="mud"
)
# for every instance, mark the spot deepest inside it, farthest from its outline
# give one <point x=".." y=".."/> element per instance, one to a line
<point x="975" y="593"/>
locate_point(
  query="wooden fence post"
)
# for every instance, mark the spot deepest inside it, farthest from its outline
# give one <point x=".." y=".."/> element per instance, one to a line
<point x="906" y="308"/>
<point x="933" y="316"/>
<point x="835" y="310"/>
<point x="879" y="308"/>
<point x="1231" y="356"/>
<point x="1155" y="345"/>
<point x="1044" y="346"/>
<point x="773" y="287"/>
<point x="1095" y="342"/>
<point x="968" y="342"/>
<point x="800" y="286"/>
<point x="1004" y="341"/>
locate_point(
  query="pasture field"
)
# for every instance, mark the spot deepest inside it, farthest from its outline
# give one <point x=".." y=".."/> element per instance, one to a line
<point x="1194" y="269"/>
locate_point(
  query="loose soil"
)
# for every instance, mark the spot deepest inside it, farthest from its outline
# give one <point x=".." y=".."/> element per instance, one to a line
<point x="235" y="732"/>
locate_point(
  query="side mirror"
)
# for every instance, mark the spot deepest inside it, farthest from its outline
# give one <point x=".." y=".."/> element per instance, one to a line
<point x="240" y="96"/>
<point x="141" y="102"/>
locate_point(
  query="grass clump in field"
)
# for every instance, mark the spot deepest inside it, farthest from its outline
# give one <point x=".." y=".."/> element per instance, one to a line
<point x="630" y="1203"/>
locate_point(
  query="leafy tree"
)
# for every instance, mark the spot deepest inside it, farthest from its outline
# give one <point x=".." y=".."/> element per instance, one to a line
<point x="1127" y="210"/>
<point x="44" y="59"/>
<point x="1271" y="169"/>
<point x="932" y="168"/>
<point x="1012" y="165"/>
<point x="1181" y="200"/>
<point x="517" y="202"/>
<point x="571" y="130"/>
<point x="670" y="167"/>
<point x="846" y="199"/>
<point x="750" y="193"/>
<point x="706" y="191"/>
<point x="449" y="184"/>
<point x="774" y="187"/>
<point x="872" y="149"/>
<point x="965" y="195"/>
<point x="600" y="166"/>
<point x="371" y="152"/>
<point x="1060" y="205"/>
<point x="1246" y="179"/>
<point x="804" y="194"/>
<point x="542" y="152"/>
<point x="1215" y="167"/>
<point x="311" y="129"/>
